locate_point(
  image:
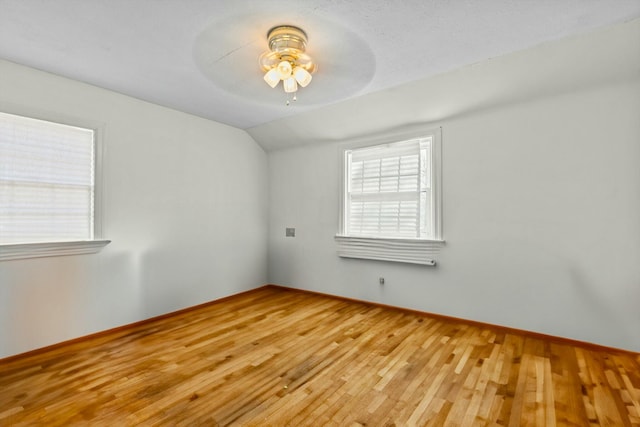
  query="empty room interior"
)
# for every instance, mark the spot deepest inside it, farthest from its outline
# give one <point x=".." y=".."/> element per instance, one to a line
<point x="320" y="213"/>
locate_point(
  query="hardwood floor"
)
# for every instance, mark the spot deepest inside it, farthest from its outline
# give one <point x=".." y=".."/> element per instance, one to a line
<point x="274" y="357"/>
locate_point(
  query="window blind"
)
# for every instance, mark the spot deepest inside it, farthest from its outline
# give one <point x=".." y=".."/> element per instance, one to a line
<point x="46" y="181"/>
<point x="388" y="190"/>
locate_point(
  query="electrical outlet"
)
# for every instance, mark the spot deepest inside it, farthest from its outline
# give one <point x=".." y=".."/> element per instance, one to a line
<point x="381" y="280"/>
<point x="290" y="232"/>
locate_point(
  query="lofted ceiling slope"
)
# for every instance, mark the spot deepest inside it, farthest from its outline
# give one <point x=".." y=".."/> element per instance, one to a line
<point x="200" y="56"/>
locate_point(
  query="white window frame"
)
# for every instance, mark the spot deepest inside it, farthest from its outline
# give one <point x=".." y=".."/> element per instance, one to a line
<point x="13" y="251"/>
<point x="406" y="250"/>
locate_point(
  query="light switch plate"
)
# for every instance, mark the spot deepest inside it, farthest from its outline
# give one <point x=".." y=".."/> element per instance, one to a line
<point x="290" y="232"/>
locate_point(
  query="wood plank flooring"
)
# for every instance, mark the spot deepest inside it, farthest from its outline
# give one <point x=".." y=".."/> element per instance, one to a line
<point x="275" y="357"/>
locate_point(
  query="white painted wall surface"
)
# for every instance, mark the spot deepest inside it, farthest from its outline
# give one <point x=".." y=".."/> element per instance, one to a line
<point x="185" y="206"/>
<point x="541" y="199"/>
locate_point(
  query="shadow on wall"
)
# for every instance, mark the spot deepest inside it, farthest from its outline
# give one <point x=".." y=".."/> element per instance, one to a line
<point x="178" y="277"/>
<point x="44" y="303"/>
<point x="607" y="312"/>
<point x="116" y="298"/>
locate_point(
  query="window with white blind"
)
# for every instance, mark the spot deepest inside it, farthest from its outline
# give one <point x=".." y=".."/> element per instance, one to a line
<point x="47" y="188"/>
<point x="391" y="202"/>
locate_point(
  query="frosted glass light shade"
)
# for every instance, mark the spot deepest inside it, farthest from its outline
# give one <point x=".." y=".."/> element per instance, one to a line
<point x="302" y="76"/>
<point x="272" y="77"/>
<point x="290" y="85"/>
<point x="286" y="59"/>
<point x="284" y="69"/>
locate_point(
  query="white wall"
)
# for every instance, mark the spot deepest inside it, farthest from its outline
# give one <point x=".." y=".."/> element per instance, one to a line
<point x="185" y="206"/>
<point x="541" y="191"/>
<point x="541" y="200"/>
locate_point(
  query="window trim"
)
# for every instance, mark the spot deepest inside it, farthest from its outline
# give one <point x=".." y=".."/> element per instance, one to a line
<point x="415" y="251"/>
<point x="13" y="251"/>
<point x="38" y="250"/>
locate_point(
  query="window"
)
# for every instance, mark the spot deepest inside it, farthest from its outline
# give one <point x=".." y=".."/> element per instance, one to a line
<point x="47" y="188"/>
<point x="391" y="201"/>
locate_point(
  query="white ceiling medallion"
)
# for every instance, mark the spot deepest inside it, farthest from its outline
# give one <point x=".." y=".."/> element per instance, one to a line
<point x="226" y="52"/>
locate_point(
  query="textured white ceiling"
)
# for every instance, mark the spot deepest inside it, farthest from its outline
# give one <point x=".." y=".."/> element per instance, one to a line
<point x="200" y="56"/>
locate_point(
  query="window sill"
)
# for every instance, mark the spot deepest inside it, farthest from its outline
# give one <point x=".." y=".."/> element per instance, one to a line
<point x="49" y="249"/>
<point x="395" y="250"/>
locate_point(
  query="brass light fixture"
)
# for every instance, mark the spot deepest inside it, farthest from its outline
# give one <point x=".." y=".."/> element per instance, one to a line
<point x="287" y="60"/>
